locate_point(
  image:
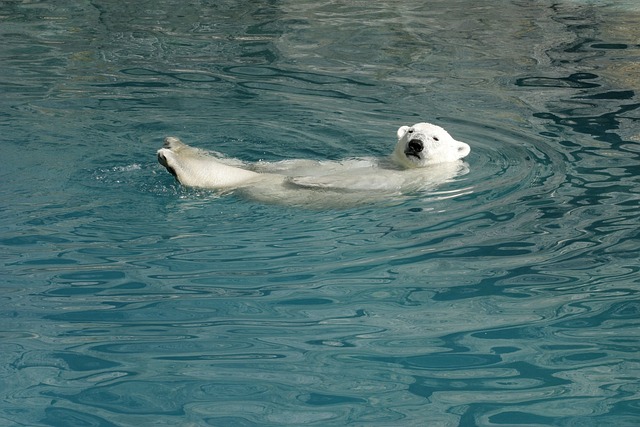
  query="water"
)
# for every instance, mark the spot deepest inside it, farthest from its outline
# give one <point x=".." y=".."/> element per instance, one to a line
<point x="506" y="297"/>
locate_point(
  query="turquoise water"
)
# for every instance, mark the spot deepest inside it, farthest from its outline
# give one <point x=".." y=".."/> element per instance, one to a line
<point x="509" y="296"/>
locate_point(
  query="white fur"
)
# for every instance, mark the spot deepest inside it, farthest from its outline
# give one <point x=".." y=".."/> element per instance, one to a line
<point x="439" y="146"/>
<point x="425" y="156"/>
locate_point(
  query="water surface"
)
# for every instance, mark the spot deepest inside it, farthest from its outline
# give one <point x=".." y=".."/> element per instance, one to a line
<point x="508" y="296"/>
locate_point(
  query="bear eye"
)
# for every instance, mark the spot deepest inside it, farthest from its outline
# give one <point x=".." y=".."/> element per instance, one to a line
<point x="410" y="131"/>
<point x="435" y="138"/>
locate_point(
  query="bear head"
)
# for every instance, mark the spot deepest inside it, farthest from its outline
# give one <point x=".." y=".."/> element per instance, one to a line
<point x="424" y="144"/>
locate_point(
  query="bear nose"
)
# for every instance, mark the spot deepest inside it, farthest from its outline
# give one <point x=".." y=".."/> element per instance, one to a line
<point x="416" y="145"/>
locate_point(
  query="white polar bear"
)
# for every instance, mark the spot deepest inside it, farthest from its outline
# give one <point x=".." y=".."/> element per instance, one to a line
<point x="424" y="157"/>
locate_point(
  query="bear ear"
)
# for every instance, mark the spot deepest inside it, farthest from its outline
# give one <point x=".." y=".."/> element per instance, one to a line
<point x="402" y="131"/>
<point x="463" y="149"/>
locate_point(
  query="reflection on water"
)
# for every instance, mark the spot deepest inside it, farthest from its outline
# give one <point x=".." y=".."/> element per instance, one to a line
<point x="508" y="296"/>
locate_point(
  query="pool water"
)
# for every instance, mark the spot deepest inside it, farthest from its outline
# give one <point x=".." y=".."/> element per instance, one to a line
<point x="507" y="296"/>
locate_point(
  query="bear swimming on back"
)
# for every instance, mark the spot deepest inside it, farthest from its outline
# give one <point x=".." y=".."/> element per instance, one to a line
<point x="425" y="155"/>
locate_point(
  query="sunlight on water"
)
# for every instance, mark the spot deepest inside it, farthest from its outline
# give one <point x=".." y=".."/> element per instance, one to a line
<point x="506" y="296"/>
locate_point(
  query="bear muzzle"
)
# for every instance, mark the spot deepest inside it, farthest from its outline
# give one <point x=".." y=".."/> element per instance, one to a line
<point x="414" y="148"/>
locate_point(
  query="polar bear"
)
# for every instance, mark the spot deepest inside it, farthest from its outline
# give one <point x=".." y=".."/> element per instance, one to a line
<point x="425" y="156"/>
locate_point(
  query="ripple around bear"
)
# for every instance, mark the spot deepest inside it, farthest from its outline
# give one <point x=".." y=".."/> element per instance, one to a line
<point x="424" y="157"/>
